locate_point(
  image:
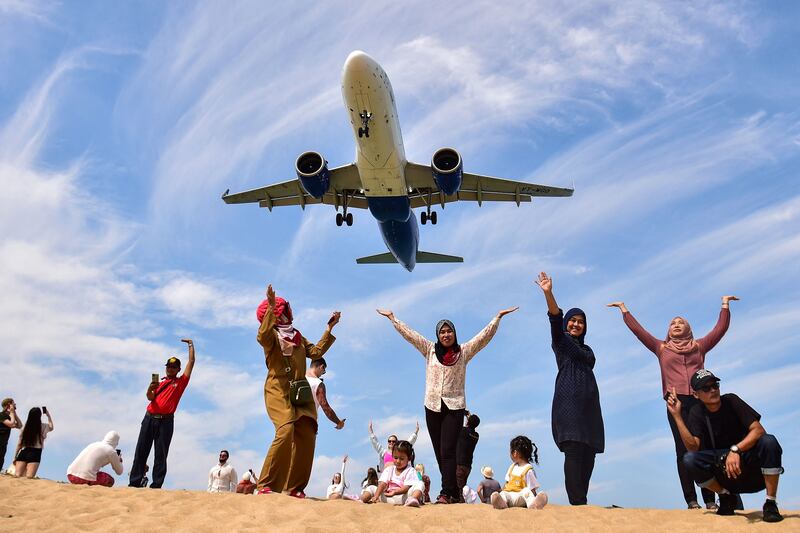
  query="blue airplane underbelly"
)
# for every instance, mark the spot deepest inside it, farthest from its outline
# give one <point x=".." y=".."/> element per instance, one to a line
<point x="398" y="227"/>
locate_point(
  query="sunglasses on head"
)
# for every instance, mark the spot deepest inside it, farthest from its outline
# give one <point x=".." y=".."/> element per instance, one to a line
<point x="710" y="387"/>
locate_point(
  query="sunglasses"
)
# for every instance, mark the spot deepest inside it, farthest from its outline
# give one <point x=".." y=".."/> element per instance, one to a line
<point x="709" y="388"/>
<point x="392" y="441"/>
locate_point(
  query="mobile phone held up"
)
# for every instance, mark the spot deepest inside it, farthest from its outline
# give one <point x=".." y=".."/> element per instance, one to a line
<point x="119" y="452"/>
<point x="44" y="409"/>
<point x="154" y="378"/>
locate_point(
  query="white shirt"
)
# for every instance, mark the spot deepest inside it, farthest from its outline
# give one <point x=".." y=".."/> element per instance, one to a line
<point x="95" y="456"/>
<point x="222" y="478"/>
<point x="395" y="479"/>
<point x="314" y="382"/>
<point x="530" y="478"/>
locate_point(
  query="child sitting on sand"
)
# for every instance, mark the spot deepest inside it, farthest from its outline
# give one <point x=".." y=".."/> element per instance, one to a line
<point x="521" y="485"/>
<point x="399" y="483"/>
<point x="369" y="485"/>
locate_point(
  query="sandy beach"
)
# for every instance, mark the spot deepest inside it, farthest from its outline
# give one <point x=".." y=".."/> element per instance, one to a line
<point x="43" y="505"/>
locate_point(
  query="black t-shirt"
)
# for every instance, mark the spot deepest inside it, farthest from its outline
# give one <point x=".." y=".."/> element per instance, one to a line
<point x="5" y="431"/>
<point x="730" y="423"/>
<point x="467" y="440"/>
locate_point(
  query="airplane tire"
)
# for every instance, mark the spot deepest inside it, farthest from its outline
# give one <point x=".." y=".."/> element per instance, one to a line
<point x="339" y="219"/>
<point x="433" y="217"/>
<point x="349" y="219"/>
<point x="423" y="217"/>
<point x="360" y="133"/>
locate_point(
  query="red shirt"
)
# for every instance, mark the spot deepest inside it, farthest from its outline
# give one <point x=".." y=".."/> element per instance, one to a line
<point x="168" y="394"/>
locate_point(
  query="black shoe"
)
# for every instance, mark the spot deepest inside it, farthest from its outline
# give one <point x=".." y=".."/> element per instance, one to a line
<point x="770" y="512"/>
<point x="727" y="504"/>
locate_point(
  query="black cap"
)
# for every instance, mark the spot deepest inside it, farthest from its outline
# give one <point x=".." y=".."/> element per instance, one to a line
<point x="173" y="361"/>
<point x="701" y="377"/>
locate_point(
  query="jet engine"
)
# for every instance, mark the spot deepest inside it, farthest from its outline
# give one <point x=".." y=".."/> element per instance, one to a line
<point x="446" y="167"/>
<point x="312" y="170"/>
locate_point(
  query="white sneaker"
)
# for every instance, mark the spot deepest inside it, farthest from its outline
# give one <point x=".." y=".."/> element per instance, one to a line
<point x="498" y="502"/>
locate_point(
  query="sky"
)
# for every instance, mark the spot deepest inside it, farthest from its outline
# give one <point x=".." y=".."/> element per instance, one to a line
<point x="121" y="124"/>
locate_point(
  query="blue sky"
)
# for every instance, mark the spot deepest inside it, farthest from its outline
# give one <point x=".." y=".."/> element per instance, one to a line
<point x="122" y="124"/>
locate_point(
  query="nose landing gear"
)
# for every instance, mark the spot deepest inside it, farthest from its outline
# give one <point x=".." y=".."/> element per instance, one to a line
<point x="363" y="131"/>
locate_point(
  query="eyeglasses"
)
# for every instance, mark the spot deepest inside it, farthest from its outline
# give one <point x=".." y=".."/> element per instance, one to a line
<point x="710" y="387"/>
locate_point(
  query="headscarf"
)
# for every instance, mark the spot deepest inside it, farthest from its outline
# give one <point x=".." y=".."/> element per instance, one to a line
<point x="447" y="356"/>
<point x="685" y="343"/>
<point x="571" y="313"/>
<point x="288" y="337"/>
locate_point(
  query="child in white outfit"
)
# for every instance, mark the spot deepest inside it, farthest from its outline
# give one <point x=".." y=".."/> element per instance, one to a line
<point x="399" y="483"/>
<point x="521" y="488"/>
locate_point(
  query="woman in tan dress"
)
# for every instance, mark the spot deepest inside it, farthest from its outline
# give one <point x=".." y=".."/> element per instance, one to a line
<point x="287" y="466"/>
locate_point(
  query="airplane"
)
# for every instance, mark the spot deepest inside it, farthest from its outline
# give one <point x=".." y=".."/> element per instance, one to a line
<point x="381" y="179"/>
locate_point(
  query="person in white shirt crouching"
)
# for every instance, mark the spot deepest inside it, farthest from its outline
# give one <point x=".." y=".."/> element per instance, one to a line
<point x="222" y="477"/>
<point x="85" y="469"/>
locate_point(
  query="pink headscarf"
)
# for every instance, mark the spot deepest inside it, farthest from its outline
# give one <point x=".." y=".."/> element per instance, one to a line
<point x="288" y="337"/>
<point x="683" y="344"/>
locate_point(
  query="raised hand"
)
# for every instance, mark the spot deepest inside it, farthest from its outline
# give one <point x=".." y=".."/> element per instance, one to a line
<point x="334" y="319"/>
<point x="621" y="306"/>
<point x="545" y="282"/>
<point x="344" y="460"/>
<point x="340" y="424"/>
<point x="271" y="296"/>
<point x="370" y="426"/>
<point x="417" y="431"/>
<point x="387" y="313"/>
<point x="728" y="299"/>
<point x="673" y="403"/>
<point x="504" y="312"/>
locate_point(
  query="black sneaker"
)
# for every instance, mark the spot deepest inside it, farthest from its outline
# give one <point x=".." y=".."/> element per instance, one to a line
<point x="770" y="512"/>
<point x="727" y="504"/>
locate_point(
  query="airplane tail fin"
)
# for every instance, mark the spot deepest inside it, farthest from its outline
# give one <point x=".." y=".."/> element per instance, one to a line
<point x="422" y="257"/>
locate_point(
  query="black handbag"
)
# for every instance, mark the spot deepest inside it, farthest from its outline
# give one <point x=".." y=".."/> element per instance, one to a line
<point x="299" y="389"/>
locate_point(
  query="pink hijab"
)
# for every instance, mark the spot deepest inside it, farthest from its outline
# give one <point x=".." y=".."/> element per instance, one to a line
<point x="683" y="344"/>
<point x="288" y="337"/>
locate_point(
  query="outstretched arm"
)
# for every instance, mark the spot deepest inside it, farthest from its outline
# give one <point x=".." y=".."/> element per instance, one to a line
<point x="545" y="283"/>
<point x="419" y="342"/>
<point x="190" y="365"/>
<point x="322" y="399"/>
<point x="650" y="342"/>
<point x="266" y="332"/>
<point x="413" y="437"/>
<point x="479" y="341"/>
<point x="724" y="320"/>
<point x="315" y="351"/>
<point x="375" y="444"/>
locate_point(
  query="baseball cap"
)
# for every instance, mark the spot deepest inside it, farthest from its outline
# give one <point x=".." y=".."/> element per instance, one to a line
<point x="173" y="361"/>
<point x="701" y="377"/>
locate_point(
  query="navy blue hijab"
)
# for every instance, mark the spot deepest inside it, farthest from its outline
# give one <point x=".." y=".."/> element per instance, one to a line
<point x="571" y="313"/>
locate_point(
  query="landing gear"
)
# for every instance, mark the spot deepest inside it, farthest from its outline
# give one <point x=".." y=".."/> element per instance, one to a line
<point x="363" y="131"/>
<point x="344" y="217"/>
<point x="425" y="216"/>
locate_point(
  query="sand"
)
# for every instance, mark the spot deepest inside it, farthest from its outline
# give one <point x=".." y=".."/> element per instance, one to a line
<point x="42" y="505"/>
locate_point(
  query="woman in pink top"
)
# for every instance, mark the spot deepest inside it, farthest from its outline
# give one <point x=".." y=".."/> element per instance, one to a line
<point x="445" y="375"/>
<point x="680" y="355"/>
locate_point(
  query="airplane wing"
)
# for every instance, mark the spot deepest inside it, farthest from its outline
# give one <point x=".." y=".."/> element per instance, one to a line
<point x="344" y="180"/>
<point x="475" y="188"/>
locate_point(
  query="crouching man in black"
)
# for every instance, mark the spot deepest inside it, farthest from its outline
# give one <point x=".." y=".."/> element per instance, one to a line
<point x="729" y="450"/>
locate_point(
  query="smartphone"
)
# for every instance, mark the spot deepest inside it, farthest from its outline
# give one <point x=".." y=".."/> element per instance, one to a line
<point x="666" y="396"/>
<point x="44" y="409"/>
<point x="119" y="452"/>
<point x="154" y="378"/>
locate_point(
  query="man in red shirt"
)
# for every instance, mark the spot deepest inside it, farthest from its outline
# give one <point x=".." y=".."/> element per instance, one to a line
<point x="158" y="421"/>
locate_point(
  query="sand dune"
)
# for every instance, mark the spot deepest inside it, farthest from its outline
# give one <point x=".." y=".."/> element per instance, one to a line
<point x="42" y="505"/>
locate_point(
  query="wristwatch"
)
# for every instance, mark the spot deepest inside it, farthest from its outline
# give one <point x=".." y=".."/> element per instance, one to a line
<point x="735" y="449"/>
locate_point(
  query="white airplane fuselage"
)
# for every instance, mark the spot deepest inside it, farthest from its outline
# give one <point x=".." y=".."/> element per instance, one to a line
<point x="380" y="156"/>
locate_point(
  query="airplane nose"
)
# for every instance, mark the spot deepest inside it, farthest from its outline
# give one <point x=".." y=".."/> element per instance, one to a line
<point x="358" y="60"/>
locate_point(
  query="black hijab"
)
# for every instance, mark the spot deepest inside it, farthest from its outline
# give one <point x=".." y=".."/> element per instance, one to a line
<point x="569" y="314"/>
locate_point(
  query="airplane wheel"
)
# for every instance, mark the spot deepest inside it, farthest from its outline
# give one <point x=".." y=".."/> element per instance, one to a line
<point x="339" y="219"/>
<point x="423" y="217"/>
<point x="360" y="133"/>
<point x="349" y="219"/>
<point x="366" y="133"/>
<point x="433" y="217"/>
